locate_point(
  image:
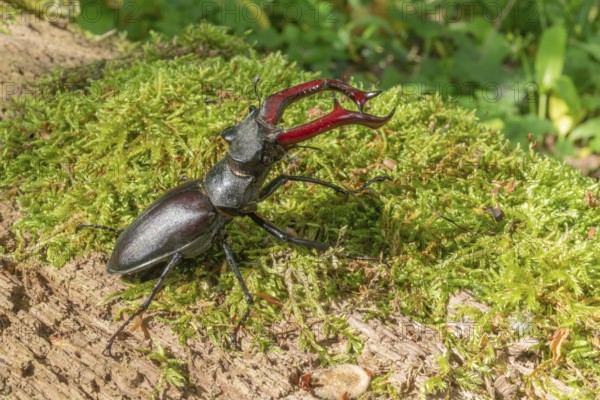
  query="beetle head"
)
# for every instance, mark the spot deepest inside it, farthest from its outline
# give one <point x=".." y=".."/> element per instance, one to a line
<point x="252" y="143"/>
<point x="257" y="142"/>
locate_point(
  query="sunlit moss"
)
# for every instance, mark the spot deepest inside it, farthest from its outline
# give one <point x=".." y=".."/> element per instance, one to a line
<point x="102" y="153"/>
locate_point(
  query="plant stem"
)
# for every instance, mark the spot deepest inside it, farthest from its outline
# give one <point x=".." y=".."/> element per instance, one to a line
<point x="543" y="105"/>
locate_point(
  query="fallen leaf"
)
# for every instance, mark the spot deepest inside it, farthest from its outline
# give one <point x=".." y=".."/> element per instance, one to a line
<point x="314" y="112"/>
<point x="496" y="321"/>
<point x="304" y="382"/>
<point x="484" y="341"/>
<point x="592" y="232"/>
<point x="510" y="187"/>
<point x="556" y="342"/>
<point x="268" y="298"/>
<point x="590" y="200"/>
<point x="389" y="163"/>
<point x="596" y="341"/>
<point x="138" y="322"/>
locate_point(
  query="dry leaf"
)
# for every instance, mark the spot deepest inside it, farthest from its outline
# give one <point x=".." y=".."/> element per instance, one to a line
<point x="314" y="112"/>
<point x="268" y="298"/>
<point x="138" y="322"/>
<point x="592" y="232"/>
<point x="389" y="163"/>
<point x="557" y="341"/>
<point x="304" y="382"/>
<point x="510" y="187"/>
<point x="496" y="321"/>
<point x="484" y="341"/>
<point x="590" y="200"/>
<point x="596" y="341"/>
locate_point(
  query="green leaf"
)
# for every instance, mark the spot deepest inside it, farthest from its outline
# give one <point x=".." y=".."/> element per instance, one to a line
<point x="518" y="127"/>
<point x="592" y="47"/>
<point x="550" y="57"/>
<point x="588" y="129"/>
<point x="595" y="144"/>
<point x="565" y="89"/>
<point x="565" y="147"/>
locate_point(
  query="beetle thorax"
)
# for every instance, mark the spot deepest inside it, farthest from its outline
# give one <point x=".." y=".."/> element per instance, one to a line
<point x="233" y="184"/>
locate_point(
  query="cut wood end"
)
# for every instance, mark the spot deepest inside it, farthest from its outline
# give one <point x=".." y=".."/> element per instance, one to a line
<point x="347" y="381"/>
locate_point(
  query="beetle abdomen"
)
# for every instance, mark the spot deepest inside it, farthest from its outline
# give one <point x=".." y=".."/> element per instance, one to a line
<point x="183" y="220"/>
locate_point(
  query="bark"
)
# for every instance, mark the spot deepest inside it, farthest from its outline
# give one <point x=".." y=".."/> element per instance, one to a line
<point x="33" y="45"/>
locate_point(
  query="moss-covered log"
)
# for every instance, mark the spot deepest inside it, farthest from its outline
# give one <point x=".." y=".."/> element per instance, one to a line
<point x="489" y="249"/>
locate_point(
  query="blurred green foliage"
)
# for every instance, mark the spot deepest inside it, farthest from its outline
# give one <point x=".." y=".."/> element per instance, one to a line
<point x="527" y="66"/>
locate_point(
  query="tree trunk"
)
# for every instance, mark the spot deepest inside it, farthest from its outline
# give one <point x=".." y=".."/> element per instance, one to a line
<point x="33" y="45"/>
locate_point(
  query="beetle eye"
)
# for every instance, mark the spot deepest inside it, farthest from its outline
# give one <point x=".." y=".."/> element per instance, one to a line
<point x="228" y="134"/>
<point x="252" y="110"/>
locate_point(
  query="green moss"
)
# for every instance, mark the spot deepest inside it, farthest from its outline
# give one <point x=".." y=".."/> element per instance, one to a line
<point x="102" y="153"/>
<point x="172" y="370"/>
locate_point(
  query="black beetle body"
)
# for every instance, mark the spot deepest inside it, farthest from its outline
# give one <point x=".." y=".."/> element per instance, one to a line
<point x="187" y="220"/>
<point x="182" y="220"/>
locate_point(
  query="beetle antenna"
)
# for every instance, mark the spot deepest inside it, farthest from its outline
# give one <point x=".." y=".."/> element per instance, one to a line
<point x="302" y="146"/>
<point x="256" y="79"/>
<point x="293" y="159"/>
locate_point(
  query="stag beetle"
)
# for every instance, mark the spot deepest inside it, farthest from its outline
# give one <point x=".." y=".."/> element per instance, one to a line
<point x="186" y="220"/>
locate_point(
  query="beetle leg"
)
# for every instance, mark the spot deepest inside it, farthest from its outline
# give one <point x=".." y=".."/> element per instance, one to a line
<point x="174" y="260"/>
<point x="106" y="228"/>
<point x="311" y="244"/>
<point x="269" y="188"/>
<point x="281" y="235"/>
<point x="249" y="299"/>
<point x="272" y="186"/>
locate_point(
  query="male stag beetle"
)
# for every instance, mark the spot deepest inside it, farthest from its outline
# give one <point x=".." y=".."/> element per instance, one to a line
<point x="187" y="220"/>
